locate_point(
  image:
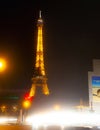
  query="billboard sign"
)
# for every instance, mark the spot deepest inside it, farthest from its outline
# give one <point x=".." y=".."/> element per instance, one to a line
<point x="96" y="88"/>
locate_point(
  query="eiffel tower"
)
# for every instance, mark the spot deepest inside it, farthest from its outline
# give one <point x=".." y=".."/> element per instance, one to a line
<point x="39" y="78"/>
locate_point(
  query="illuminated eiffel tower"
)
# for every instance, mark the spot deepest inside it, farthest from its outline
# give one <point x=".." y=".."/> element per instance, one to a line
<point x="39" y="79"/>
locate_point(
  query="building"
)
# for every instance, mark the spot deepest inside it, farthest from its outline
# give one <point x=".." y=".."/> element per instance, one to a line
<point x="39" y="78"/>
<point x="94" y="86"/>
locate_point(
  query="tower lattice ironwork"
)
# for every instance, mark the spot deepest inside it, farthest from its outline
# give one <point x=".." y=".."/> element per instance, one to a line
<point x="39" y="78"/>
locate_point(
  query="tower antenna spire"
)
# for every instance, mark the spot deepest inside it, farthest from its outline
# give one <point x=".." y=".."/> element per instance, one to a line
<point x="40" y="14"/>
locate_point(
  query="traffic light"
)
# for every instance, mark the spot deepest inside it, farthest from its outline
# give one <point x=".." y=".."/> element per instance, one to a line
<point x="26" y="104"/>
<point x="28" y="97"/>
<point x="27" y="101"/>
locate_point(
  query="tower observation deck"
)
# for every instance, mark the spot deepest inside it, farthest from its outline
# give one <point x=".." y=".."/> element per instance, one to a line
<point x="39" y="78"/>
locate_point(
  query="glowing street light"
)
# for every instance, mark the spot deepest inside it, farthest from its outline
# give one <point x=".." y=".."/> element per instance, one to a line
<point x="2" y="64"/>
<point x="3" y="108"/>
<point x="57" y="107"/>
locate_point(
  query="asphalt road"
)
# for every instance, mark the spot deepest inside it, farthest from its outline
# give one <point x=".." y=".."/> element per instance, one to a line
<point x="15" y="127"/>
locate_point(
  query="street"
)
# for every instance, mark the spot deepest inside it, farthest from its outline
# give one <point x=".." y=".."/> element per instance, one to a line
<point x="15" y="127"/>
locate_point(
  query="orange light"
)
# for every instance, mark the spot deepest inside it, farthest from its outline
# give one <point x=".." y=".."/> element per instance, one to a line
<point x="26" y="104"/>
<point x="57" y="107"/>
<point x="2" y="64"/>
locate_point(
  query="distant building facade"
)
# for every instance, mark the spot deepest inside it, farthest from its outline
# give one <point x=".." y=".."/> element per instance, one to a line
<point x="94" y="86"/>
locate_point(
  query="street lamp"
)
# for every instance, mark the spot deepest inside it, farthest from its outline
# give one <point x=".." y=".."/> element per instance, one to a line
<point x="2" y="64"/>
<point x="3" y="108"/>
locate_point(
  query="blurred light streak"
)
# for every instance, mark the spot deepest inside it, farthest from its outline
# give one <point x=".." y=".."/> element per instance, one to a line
<point x="7" y="120"/>
<point x="64" y="118"/>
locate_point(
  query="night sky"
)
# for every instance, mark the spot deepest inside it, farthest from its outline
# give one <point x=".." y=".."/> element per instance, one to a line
<point x="71" y="42"/>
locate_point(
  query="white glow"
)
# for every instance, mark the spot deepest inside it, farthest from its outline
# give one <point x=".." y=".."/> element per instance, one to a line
<point x="7" y="120"/>
<point x="64" y="118"/>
